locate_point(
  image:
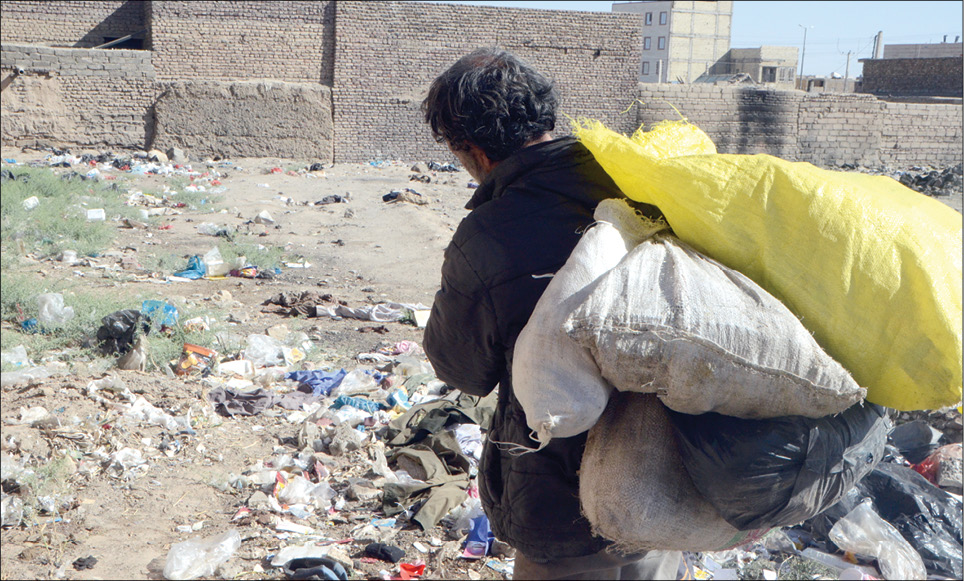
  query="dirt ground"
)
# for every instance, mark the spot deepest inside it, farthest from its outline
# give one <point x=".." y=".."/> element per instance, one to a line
<point x="364" y="251"/>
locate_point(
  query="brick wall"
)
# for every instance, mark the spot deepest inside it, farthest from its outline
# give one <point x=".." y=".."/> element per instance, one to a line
<point x="79" y="24"/>
<point x="388" y="53"/>
<point x="75" y="96"/>
<point x="285" y="41"/>
<point x="921" y="134"/>
<point x="937" y="77"/>
<point x="826" y="129"/>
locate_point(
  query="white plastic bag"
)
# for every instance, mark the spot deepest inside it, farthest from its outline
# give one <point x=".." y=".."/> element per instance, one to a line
<point x="264" y="351"/>
<point x="863" y="531"/>
<point x="201" y="557"/>
<point x="52" y="310"/>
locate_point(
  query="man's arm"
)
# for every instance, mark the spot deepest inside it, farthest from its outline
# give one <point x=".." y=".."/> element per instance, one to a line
<point x="462" y="339"/>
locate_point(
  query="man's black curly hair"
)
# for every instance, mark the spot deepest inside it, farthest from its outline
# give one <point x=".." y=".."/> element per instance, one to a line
<point x="493" y="100"/>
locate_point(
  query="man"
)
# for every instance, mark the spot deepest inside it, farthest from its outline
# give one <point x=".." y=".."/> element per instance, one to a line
<point x="535" y="195"/>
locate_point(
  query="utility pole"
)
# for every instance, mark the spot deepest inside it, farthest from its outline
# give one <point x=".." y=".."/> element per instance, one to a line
<point x="803" y="55"/>
<point x="847" y="73"/>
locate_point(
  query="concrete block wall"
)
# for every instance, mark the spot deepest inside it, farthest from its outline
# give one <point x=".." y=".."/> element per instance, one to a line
<point x="243" y="40"/>
<point x="74" y="96"/>
<point x="388" y="53"/>
<point x="826" y="129"/>
<point x="921" y="134"/>
<point x="75" y="23"/>
<point x="938" y="77"/>
<point x="833" y="129"/>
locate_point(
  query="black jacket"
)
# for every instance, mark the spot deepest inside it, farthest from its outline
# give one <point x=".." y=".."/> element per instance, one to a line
<point x="526" y="218"/>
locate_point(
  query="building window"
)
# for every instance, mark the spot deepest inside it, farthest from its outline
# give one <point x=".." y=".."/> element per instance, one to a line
<point x="769" y="75"/>
<point x="662" y="18"/>
<point x="661" y="43"/>
<point x="647" y="43"/>
<point x="649" y="18"/>
<point x="645" y="67"/>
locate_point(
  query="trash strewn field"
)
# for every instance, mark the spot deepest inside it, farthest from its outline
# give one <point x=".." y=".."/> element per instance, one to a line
<point x="213" y="368"/>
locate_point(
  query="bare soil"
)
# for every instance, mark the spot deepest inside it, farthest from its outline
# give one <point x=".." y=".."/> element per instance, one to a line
<point x="364" y="251"/>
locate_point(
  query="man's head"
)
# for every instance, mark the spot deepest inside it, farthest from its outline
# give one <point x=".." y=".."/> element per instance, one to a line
<point x="490" y="102"/>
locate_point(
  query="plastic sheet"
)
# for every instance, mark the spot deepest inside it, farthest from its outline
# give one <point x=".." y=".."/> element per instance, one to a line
<point x="781" y="471"/>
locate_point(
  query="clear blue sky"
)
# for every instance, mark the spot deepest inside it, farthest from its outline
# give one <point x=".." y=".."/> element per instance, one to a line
<point x="838" y="26"/>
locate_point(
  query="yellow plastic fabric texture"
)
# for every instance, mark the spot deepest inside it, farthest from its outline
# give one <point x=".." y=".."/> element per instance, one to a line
<point x="871" y="268"/>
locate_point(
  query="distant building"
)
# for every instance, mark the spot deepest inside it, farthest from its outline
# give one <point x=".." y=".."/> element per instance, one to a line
<point x="681" y="40"/>
<point x="817" y="84"/>
<point x="916" y="70"/>
<point x="766" y="65"/>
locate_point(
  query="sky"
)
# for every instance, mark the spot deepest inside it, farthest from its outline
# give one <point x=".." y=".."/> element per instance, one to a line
<point x="834" y="28"/>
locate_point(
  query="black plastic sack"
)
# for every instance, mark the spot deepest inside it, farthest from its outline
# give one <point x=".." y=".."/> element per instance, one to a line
<point x="116" y="333"/>
<point x="926" y="516"/>
<point x="779" y="471"/>
<point x="915" y="440"/>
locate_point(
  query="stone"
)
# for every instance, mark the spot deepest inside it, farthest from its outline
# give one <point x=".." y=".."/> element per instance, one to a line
<point x="279" y="332"/>
<point x="420" y="167"/>
<point x="176" y="155"/>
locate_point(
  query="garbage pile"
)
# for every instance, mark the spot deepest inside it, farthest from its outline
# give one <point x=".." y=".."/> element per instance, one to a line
<point x="929" y="181"/>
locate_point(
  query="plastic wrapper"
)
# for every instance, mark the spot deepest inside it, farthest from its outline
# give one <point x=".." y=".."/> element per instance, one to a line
<point x="863" y="531"/>
<point x="201" y="557"/>
<point x="780" y="471"/>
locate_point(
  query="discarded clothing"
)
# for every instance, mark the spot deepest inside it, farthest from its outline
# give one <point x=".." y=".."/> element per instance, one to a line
<point x="446" y="479"/>
<point x="231" y="402"/>
<point x="321" y="382"/>
<point x="431" y="417"/>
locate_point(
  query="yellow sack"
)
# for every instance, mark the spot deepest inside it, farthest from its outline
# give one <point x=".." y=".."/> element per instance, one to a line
<point x="872" y="268"/>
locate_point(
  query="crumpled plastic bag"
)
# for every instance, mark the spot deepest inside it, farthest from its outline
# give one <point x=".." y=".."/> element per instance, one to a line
<point x="201" y="557"/>
<point x="864" y="532"/>
<point x="871" y="267"/>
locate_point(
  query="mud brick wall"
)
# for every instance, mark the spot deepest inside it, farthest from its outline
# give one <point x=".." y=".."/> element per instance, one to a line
<point x="388" y="53"/>
<point x="935" y="77"/>
<point x="285" y="41"/>
<point x="826" y="129"/>
<point x="245" y="119"/>
<point x="78" y="24"/>
<point x="75" y="96"/>
<point x="921" y="134"/>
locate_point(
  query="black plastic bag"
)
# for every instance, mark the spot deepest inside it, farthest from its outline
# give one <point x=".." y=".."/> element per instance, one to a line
<point x="116" y="334"/>
<point x="926" y="516"/>
<point x="779" y="471"/>
<point x="915" y="440"/>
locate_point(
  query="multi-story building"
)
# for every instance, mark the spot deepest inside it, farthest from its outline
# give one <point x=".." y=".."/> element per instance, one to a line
<point x="768" y="65"/>
<point x="681" y="40"/>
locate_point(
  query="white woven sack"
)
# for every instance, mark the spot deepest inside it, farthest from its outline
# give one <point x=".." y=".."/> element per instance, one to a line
<point x="635" y="491"/>
<point x="671" y="321"/>
<point x="555" y="379"/>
